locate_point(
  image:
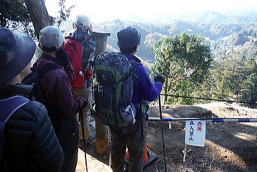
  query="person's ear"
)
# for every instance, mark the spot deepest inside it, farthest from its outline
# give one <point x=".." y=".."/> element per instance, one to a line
<point x="62" y="46"/>
<point x="137" y="48"/>
<point x="25" y="71"/>
<point x="90" y="28"/>
<point x="86" y="28"/>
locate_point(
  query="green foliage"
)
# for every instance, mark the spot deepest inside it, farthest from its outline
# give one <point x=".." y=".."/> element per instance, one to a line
<point x="231" y="79"/>
<point x="184" y="61"/>
<point x="249" y="89"/>
<point x="248" y="92"/>
<point x="13" y="10"/>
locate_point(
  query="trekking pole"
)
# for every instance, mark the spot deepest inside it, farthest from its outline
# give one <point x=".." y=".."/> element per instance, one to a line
<point x="83" y="136"/>
<point x="163" y="144"/>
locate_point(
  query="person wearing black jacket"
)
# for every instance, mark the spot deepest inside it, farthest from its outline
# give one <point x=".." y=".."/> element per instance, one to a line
<point x="31" y="144"/>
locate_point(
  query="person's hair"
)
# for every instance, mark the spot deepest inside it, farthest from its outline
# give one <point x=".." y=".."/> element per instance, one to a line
<point x="50" y="50"/>
<point x="129" y="51"/>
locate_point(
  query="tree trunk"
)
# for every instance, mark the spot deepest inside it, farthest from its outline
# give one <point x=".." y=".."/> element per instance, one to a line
<point x="38" y="14"/>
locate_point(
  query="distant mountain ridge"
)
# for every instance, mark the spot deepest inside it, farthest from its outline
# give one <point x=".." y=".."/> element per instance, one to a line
<point x="225" y="32"/>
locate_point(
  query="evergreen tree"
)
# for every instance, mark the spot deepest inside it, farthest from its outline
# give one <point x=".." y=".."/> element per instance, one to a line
<point x="184" y="61"/>
<point x="249" y="90"/>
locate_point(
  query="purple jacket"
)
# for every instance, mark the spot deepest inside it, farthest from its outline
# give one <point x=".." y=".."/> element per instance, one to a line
<point x="145" y="89"/>
<point x="57" y="88"/>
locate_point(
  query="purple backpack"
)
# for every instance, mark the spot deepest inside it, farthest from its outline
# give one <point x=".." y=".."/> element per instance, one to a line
<point x="8" y="107"/>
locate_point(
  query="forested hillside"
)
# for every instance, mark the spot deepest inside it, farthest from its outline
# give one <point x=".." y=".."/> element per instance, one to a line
<point x="232" y="38"/>
<point x="229" y="35"/>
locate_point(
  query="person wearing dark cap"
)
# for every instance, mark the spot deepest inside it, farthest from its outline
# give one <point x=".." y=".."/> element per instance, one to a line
<point x="144" y="90"/>
<point x="30" y="143"/>
<point x="56" y="93"/>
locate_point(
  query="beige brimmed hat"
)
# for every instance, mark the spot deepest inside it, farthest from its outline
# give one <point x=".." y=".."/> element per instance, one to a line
<point x="81" y="21"/>
<point x="51" y="38"/>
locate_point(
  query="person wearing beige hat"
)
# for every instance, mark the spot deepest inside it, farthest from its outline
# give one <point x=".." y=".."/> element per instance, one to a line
<point x="83" y="22"/>
<point x="30" y="143"/>
<point x="82" y="85"/>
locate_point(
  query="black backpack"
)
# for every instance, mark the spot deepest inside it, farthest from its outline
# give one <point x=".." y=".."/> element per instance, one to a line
<point x="115" y="77"/>
<point x="8" y="107"/>
<point x="36" y="74"/>
<point x="34" y="79"/>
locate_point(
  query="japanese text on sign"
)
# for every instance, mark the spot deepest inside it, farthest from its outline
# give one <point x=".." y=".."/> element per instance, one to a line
<point x="195" y="132"/>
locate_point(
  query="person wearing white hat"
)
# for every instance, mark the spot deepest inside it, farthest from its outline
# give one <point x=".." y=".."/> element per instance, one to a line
<point x="82" y="34"/>
<point x="82" y="21"/>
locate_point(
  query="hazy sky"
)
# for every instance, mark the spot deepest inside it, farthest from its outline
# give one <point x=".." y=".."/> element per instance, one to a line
<point x="101" y="10"/>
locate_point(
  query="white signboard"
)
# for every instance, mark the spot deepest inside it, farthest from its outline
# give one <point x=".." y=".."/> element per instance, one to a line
<point x="195" y="132"/>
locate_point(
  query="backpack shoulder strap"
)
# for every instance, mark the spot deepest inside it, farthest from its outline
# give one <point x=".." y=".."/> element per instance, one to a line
<point x="135" y="63"/>
<point x="143" y="104"/>
<point x="38" y="85"/>
<point x="10" y="105"/>
<point x="72" y="43"/>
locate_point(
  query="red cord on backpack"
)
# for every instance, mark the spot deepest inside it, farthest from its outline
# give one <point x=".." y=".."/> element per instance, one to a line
<point x="88" y="74"/>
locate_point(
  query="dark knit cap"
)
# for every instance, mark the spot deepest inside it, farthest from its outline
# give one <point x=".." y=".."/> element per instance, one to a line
<point x="128" y="38"/>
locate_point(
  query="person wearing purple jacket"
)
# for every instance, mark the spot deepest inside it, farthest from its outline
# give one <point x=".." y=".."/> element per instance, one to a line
<point x="144" y="90"/>
<point x="56" y="93"/>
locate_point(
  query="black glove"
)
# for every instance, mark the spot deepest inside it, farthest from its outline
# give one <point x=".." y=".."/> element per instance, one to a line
<point x="158" y="78"/>
<point x="62" y="57"/>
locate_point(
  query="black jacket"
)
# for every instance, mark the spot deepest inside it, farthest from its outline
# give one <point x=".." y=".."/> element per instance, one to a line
<point x="30" y="140"/>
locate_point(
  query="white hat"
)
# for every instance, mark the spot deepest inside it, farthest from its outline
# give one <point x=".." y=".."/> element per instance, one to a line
<point x="51" y="38"/>
<point x="82" y="21"/>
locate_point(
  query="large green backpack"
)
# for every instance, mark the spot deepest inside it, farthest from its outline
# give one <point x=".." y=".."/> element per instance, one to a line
<point x="114" y="89"/>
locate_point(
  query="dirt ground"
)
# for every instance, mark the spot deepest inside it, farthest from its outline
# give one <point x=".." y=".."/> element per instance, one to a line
<point x="229" y="146"/>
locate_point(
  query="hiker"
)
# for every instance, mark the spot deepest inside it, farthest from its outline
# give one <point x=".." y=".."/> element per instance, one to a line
<point x="28" y="141"/>
<point x="56" y="93"/>
<point x="80" y="47"/>
<point x="134" y="138"/>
